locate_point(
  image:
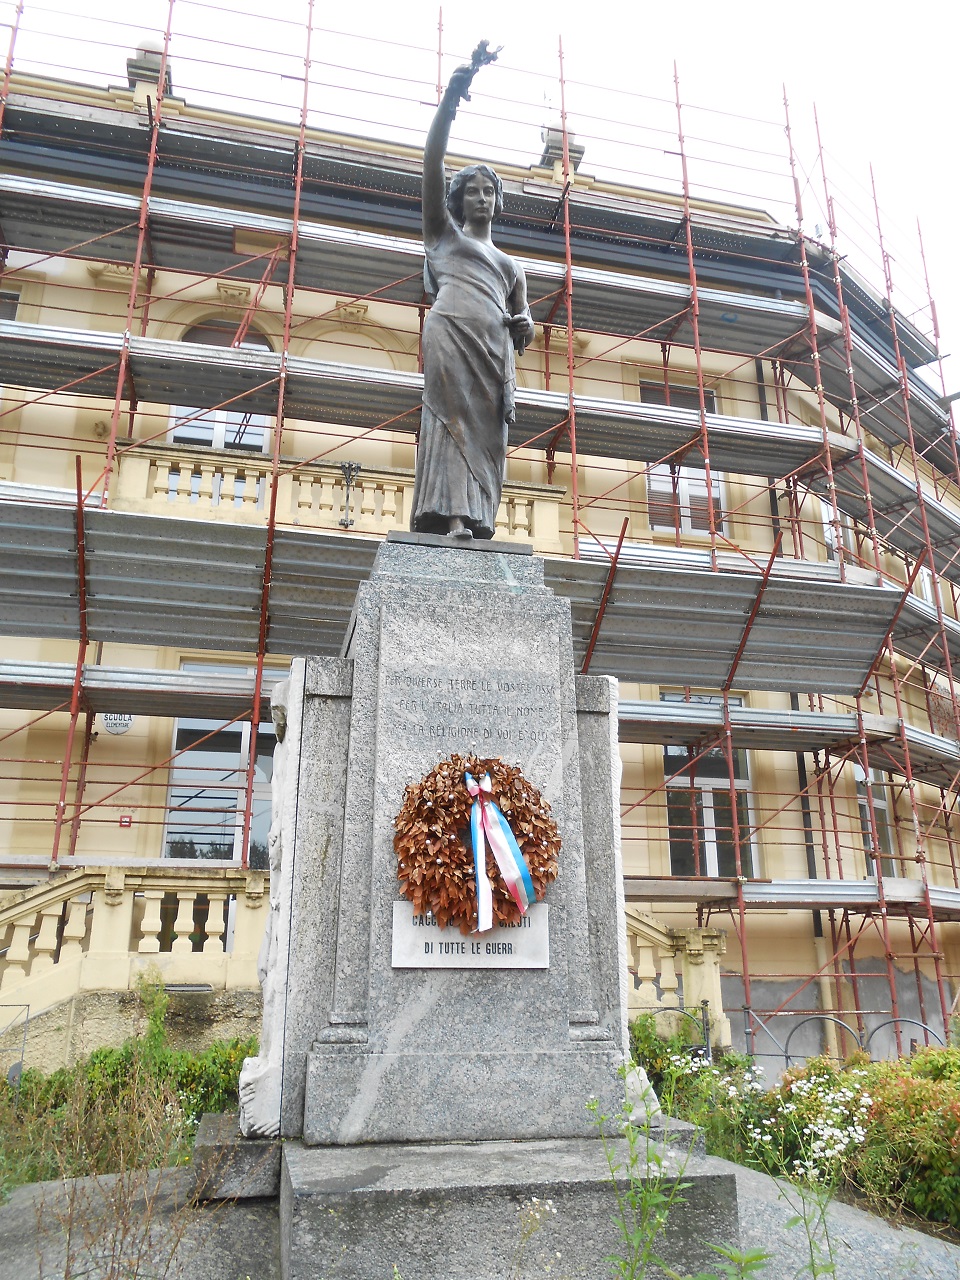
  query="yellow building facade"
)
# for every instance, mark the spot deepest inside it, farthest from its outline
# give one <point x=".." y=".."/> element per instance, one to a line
<point x="209" y="349"/>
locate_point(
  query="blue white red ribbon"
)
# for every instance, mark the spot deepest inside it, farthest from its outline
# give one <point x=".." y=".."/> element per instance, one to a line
<point x="489" y="826"/>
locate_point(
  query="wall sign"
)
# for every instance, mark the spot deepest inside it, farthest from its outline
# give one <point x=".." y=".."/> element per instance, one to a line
<point x="115" y="722"/>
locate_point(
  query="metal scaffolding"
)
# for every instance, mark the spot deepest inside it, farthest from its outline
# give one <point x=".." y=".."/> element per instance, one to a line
<point x="840" y="587"/>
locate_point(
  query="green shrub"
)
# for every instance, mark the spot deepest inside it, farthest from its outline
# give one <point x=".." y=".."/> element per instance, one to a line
<point x="889" y="1130"/>
<point x="912" y="1152"/>
<point x="135" y="1106"/>
<point x="652" y="1050"/>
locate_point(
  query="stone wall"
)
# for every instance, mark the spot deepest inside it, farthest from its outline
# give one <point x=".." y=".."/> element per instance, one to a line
<point x="195" y="1019"/>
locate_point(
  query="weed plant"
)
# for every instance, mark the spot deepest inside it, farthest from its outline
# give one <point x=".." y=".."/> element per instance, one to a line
<point x="137" y="1106"/>
<point x="648" y="1183"/>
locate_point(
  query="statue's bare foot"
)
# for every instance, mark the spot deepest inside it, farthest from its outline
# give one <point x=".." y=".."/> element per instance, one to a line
<point x="458" y="529"/>
<point x="259" y="1091"/>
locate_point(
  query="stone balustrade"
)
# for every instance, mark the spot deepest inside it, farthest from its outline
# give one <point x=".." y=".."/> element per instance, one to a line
<point x="189" y="481"/>
<point x="98" y="927"/>
<point x="654" y="954"/>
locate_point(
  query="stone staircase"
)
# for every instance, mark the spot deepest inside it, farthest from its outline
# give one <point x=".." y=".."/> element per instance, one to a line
<point x="98" y="928"/>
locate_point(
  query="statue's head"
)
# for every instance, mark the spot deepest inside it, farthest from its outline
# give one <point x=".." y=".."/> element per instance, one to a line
<point x="460" y="180"/>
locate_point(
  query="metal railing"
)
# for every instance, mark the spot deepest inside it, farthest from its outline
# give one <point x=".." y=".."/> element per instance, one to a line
<point x="752" y="1022"/>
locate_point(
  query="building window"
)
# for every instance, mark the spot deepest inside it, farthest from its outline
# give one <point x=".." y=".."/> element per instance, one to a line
<point x="679" y="395"/>
<point x="677" y="499"/>
<point x="700" y="817"/>
<point x="847" y="535"/>
<point x="9" y="302"/>
<point x="677" y="496"/>
<point x="221" y="428"/>
<point x="881" y="813"/>
<point x="207" y="791"/>
<point x="925" y="586"/>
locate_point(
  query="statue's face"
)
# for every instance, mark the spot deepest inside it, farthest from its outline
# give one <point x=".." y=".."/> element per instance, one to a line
<point x="479" y="199"/>
<point x="279" y="716"/>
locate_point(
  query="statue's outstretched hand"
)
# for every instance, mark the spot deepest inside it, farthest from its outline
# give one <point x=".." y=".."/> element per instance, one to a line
<point x="459" y="83"/>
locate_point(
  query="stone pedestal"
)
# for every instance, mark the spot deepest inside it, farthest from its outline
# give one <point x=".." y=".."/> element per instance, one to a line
<point x="230" y="1167"/>
<point x="450" y="649"/>
<point x="432" y="1085"/>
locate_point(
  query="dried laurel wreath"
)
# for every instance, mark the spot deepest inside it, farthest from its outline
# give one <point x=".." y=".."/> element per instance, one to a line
<point x="434" y="851"/>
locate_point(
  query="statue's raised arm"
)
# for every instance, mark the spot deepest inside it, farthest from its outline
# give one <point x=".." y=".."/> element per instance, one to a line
<point x="478" y="321"/>
<point x="434" y="182"/>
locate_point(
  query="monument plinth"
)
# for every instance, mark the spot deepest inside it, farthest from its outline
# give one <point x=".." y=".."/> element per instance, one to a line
<point x="430" y="1078"/>
<point x="393" y="1030"/>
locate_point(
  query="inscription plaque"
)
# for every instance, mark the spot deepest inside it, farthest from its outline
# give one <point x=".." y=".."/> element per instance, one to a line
<point x="419" y="942"/>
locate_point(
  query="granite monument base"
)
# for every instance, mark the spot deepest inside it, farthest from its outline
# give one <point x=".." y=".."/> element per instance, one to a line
<point x="228" y="1166"/>
<point x="461" y="1211"/>
<point x="378" y="1024"/>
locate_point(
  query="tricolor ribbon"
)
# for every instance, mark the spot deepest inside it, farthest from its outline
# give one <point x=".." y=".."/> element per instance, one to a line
<point x="489" y="826"/>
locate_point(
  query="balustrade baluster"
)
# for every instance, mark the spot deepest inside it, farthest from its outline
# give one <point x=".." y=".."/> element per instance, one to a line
<point x="160" y="490"/>
<point x="179" y="478"/>
<point x="669" y="984"/>
<point x="150" y="928"/>
<point x="367" y="518"/>
<point x="392" y="499"/>
<point x="74" y="931"/>
<point x="521" y="517"/>
<point x="645" y="996"/>
<point x="250" y="493"/>
<point x="45" y="943"/>
<point x="183" y="925"/>
<point x="205" y="490"/>
<point x="303" y="486"/>
<point x="225" y="486"/>
<point x="215" y="923"/>
<point x="326" y="514"/>
<point x="18" y="953"/>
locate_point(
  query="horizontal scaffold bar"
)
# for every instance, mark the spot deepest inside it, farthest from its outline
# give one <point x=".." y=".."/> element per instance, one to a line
<point x="901" y="897"/>
<point x="151" y="581"/>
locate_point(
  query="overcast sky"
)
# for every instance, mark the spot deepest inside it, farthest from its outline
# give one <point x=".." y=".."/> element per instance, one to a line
<point x="883" y="80"/>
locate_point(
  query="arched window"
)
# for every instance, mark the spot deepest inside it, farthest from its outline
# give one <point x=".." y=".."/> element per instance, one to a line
<point x="231" y="428"/>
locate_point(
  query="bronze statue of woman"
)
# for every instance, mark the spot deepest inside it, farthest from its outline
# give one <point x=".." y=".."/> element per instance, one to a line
<point x="478" y="320"/>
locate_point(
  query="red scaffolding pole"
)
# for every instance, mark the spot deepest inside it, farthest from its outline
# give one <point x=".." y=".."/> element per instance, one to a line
<point x="143" y="234"/>
<point x="77" y="690"/>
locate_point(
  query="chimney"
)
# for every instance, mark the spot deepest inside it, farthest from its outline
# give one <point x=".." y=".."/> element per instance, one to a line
<point x="552" y="157"/>
<point x="143" y="69"/>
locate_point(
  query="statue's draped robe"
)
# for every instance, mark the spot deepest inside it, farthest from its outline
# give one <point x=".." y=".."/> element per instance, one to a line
<point x="469" y="385"/>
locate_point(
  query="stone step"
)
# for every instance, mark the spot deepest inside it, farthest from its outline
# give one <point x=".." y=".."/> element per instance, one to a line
<point x="490" y="1210"/>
